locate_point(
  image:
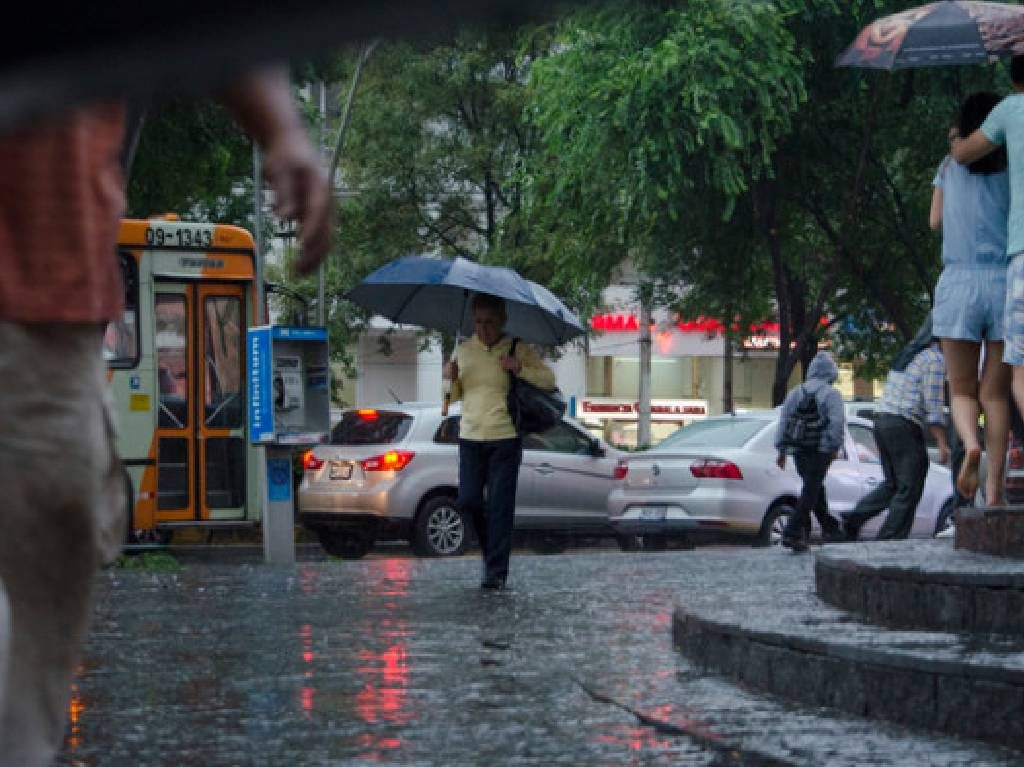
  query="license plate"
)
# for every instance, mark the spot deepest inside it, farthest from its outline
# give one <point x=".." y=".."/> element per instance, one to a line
<point x="341" y="470"/>
<point x="653" y="512"/>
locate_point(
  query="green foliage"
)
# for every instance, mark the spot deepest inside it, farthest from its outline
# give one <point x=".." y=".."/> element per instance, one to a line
<point x="192" y="160"/>
<point x="152" y="561"/>
<point x="437" y="130"/>
<point x="712" y="144"/>
<point x="649" y="115"/>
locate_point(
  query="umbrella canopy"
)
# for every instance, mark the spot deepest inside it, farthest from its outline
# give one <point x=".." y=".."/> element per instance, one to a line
<point x="435" y="293"/>
<point x="939" y="34"/>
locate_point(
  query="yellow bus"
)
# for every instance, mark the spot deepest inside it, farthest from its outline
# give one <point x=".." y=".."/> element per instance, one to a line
<point x="175" y="364"/>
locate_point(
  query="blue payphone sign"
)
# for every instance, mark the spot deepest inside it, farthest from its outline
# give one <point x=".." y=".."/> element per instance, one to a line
<point x="261" y="396"/>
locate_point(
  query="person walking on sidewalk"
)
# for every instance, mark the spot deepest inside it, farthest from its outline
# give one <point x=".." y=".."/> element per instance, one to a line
<point x="913" y="398"/>
<point x="811" y="428"/>
<point x="1004" y="126"/>
<point x="490" y="450"/>
<point x="970" y="205"/>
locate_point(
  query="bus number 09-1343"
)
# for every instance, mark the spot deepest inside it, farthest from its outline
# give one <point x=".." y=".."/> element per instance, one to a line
<point x="181" y="238"/>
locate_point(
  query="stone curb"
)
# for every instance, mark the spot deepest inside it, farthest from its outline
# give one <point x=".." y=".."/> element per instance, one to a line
<point x="998" y="530"/>
<point x="911" y="597"/>
<point x="974" y="698"/>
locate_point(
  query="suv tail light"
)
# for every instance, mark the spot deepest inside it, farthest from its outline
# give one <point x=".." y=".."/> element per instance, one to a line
<point x="310" y="462"/>
<point x="712" y="468"/>
<point x="621" y="470"/>
<point x="393" y="460"/>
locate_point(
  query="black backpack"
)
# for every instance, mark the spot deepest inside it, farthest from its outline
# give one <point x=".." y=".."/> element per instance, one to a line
<point x="805" y="425"/>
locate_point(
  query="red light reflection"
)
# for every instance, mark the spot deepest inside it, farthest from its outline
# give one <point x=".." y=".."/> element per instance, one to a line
<point x="76" y="707"/>
<point x="307" y="693"/>
<point x="384" y="700"/>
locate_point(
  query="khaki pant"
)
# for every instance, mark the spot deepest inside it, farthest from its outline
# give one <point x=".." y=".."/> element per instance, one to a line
<point x="62" y="515"/>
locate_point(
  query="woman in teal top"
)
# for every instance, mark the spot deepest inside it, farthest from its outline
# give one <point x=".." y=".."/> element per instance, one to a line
<point x="971" y="206"/>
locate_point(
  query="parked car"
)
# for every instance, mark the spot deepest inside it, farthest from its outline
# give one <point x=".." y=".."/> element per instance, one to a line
<point x="719" y="476"/>
<point x="392" y="471"/>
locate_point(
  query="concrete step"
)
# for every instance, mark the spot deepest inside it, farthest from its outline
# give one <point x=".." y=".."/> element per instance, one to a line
<point x="930" y="586"/>
<point x="770" y="630"/>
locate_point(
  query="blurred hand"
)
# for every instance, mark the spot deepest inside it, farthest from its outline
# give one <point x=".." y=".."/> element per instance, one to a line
<point x="944" y="456"/>
<point x="450" y="371"/>
<point x="301" y="191"/>
<point x="781" y="461"/>
<point x="511" y="365"/>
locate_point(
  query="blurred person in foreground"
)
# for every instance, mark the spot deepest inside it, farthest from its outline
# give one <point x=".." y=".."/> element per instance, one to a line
<point x="490" y="450"/>
<point x="61" y="198"/>
<point x="913" y="400"/>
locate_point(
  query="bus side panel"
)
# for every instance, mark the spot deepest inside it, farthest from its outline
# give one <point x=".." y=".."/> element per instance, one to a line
<point x="136" y="400"/>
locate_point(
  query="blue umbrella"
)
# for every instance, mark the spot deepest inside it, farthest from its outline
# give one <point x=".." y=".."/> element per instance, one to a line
<point x="435" y="293"/>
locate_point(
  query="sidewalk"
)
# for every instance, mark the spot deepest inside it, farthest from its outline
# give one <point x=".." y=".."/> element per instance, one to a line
<point x="405" y="661"/>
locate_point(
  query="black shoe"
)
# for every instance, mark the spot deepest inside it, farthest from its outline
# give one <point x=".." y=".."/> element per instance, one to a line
<point x="797" y="544"/>
<point x="834" y="535"/>
<point x="493" y="584"/>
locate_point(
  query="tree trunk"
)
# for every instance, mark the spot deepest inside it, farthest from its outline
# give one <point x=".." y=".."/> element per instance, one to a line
<point x="765" y="197"/>
<point x="643" y="433"/>
<point x="727" y="357"/>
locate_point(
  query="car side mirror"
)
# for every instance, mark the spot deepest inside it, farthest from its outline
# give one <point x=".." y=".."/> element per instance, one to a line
<point x="596" y="450"/>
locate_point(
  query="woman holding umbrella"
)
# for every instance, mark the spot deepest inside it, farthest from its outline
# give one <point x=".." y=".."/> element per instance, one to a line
<point x="490" y="450"/>
<point x="970" y="204"/>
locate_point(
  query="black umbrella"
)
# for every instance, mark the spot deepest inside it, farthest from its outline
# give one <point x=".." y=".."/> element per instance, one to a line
<point x="939" y="34"/>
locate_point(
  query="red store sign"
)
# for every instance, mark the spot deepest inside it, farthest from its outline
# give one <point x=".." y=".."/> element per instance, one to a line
<point x="633" y="408"/>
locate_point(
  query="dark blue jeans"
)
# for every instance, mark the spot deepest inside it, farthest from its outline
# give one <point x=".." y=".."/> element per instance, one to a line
<point x="491" y="466"/>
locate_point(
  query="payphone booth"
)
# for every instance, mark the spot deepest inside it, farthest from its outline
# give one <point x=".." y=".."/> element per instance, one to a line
<point x="289" y="407"/>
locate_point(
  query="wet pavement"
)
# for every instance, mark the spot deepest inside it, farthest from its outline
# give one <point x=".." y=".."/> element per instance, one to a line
<point x="405" y="661"/>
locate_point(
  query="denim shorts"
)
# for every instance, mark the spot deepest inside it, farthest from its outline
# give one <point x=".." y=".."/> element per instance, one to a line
<point x="1013" y="351"/>
<point x="970" y="303"/>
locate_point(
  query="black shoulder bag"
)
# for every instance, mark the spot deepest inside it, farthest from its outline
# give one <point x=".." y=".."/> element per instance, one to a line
<point x="532" y="409"/>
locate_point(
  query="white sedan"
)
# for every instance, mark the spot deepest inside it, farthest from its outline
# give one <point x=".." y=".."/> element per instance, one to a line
<point x="719" y="476"/>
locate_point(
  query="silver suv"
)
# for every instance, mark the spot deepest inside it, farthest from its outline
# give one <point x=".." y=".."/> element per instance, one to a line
<point x="392" y="472"/>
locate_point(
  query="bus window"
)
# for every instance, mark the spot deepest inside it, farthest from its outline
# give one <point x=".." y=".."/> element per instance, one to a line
<point x="121" y="339"/>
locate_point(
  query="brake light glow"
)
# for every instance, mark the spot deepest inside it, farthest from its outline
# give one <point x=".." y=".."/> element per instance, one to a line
<point x="393" y="460"/>
<point x="1016" y="458"/>
<point x="310" y="462"/>
<point x="713" y="468"/>
<point x="367" y="415"/>
<point x="621" y="470"/>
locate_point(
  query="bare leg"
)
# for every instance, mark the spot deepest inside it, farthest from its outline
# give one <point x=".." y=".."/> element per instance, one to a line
<point x="995" y="391"/>
<point x="962" y="371"/>
<point x="1017" y="374"/>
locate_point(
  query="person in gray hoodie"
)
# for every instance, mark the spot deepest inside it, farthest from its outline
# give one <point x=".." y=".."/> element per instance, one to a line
<point x="812" y="460"/>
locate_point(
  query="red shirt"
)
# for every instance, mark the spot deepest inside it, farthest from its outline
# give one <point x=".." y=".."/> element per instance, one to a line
<point x="61" y="198"/>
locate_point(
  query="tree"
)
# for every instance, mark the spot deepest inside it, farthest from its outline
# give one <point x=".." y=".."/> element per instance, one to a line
<point x="655" y="121"/>
<point x="430" y="158"/>
<point x="844" y="209"/>
<point x="192" y="159"/>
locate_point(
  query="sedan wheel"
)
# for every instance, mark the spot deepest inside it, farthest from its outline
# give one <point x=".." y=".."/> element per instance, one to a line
<point x="440" y="529"/>
<point x="774" y="524"/>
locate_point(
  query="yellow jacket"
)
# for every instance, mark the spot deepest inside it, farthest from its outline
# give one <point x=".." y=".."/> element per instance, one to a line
<point x="483" y="386"/>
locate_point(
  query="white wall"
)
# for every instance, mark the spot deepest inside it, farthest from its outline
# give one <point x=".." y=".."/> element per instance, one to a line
<point x="406" y="372"/>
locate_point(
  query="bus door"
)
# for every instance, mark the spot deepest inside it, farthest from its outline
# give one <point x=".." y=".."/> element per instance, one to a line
<point x="199" y="349"/>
